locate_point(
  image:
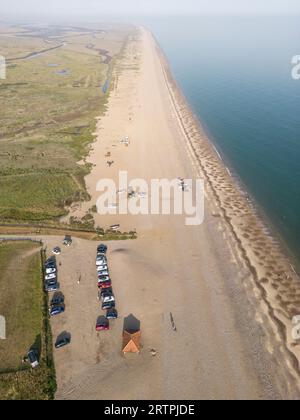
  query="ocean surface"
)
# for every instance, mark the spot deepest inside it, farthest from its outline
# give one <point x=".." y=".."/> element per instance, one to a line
<point x="236" y="74"/>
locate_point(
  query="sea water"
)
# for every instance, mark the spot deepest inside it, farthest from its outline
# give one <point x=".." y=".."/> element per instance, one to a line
<point x="237" y="76"/>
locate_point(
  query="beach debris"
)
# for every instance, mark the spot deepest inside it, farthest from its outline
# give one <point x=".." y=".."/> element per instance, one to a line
<point x="153" y="352"/>
<point x="125" y="141"/>
<point x="172" y="322"/>
<point x="110" y="162"/>
<point x="108" y="154"/>
<point x="131" y="194"/>
<point x="182" y="185"/>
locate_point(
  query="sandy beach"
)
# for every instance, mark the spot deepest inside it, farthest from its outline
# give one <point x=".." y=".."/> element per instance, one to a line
<point x="227" y="283"/>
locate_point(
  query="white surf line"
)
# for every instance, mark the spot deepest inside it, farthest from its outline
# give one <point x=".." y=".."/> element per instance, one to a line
<point x="216" y="150"/>
<point x="228" y="171"/>
<point x="293" y="268"/>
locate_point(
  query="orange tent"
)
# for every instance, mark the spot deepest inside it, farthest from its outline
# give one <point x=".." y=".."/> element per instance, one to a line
<point x="131" y="342"/>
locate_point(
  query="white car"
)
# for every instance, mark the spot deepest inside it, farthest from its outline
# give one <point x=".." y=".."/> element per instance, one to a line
<point x="108" y="298"/>
<point x="56" y="251"/>
<point x="102" y="267"/>
<point x="100" y="262"/>
<point x="50" y="270"/>
<point x="50" y="276"/>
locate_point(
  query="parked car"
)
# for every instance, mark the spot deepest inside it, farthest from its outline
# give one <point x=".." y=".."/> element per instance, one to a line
<point x="112" y="314"/>
<point x="50" y="263"/>
<point x="50" y="270"/>
<point x="50" y="276"/>
<point x="102" y="249"/>
<point x="104" y="284"/>
<point x="58" y="299"/>
<point x="56" y="250"/>
<point x="68" y="240"/>
<point x="33" y="359"/>
<point x="109" y="297"/>
<point x="62" y="342"/>
<point x="101" y="255"/>
<point x="108" y="305"/>
<point x="101" y="261"/>
<point x="103" y="273"/>
<point x="103" y="277"/>
<point x="57" y="310"/>
<point x="105" y="292"/>
<point x="51" y="281"/>
<point x="102" y="267"/>
<point x="102" y="325"/>
<point x="51" y="286"/>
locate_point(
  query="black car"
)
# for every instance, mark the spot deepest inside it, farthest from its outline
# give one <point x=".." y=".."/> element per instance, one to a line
<point x="58" y="299"/>
<point x="112" y="314"/>
<point x="105" y="292"/>
<point x="101" y="249"/>
<point x="51" y="286"/>
<point x="33" y="359"/>
<point x="57" y="310"/>
<point x="50" y="263"/>
<point x="68" y="240"/>
<point x="62" y="342"/>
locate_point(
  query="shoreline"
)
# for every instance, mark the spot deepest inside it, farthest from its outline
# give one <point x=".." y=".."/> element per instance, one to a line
<point x="238" y="348"/>
<point x="272" y="238"/>
<point x="259" y="211"/>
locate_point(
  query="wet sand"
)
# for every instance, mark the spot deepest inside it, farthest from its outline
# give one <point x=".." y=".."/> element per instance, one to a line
<point x="230" y="289"/>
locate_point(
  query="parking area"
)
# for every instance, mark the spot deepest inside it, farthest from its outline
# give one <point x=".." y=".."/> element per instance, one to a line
<point x="93" y="357"/>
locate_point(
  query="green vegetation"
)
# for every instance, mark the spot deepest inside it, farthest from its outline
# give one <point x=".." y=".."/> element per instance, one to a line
<point x="37" y="196"/>
<point x="47" y="124"/>
<point x="24" y="305"/>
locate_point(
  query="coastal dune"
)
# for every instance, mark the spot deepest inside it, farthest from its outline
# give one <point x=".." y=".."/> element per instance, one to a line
<point x="228" y="285"/>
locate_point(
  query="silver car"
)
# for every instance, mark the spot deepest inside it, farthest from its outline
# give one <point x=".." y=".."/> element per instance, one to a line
<point x="50" y="276"/>
<point x="50" y="270"/>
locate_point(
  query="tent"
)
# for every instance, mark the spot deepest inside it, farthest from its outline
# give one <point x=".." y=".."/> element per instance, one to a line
<point x="131" y="342"/>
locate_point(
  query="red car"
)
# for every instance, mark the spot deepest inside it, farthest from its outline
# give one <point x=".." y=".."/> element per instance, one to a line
<point x="102" y="325"/>
<point x="104" y="284"/>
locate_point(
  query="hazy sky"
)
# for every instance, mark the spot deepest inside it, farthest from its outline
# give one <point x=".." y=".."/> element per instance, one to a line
<point x="95" y="8"/>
